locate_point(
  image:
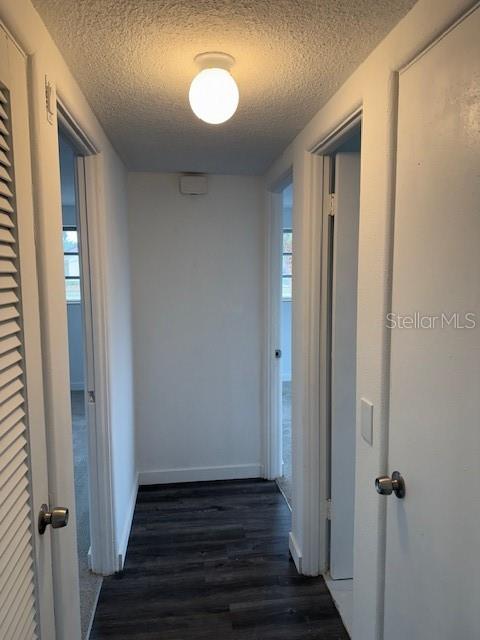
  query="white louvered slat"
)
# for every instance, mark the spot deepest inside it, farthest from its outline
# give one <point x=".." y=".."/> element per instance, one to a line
<point x="18" y="523"/>
<point x="12" y="460"/>
<point x="18" y="515"/>
<point x="19" y="611"/>
<point x="5" y="234"/>
<point x="11" y="478"/>
<point x="11" y="404"/>
<point x="9" y="422"/>
<point x="13" y="535"/>
<point x="21" y="568"/>
<point x="7" y="282"/>
<point x="4" y="175"/>
<point x="11" y="437"/>
<point x="4" y="188"/>
<point x="17" y="578"/>
<point x="8" y="344"/>
<point x="9" y="563"/>
<point x="6" y="251"/>
<point x="4" y="159"/>
<point x="6" y="313"/>
<point x="8" y="297"/>
<point x="26" y="623"/>
<point x="10" y="374"/>
<point x="6" y="221"/>
<point x="18" y="494"/>
<point x="6" y="206"/>
<point x="8" y="390"/>
<point x="10" y="358"/>
<point x="9" y="328"/>
<point x="29" y="629"/>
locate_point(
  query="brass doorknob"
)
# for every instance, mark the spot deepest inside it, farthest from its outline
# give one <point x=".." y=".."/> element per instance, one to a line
<point x="57" y="518"/>
<point x="385" y="485"/>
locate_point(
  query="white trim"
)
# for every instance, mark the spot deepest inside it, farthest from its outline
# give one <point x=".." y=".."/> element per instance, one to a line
<point x="339" y="134"/>
<point x="295" y="551"/>
<point x="102" y="520"/>
<point x="272" y="389"/>
<point x="123" y="541"/>
<point x="200" y="474"/>
<point x="313" y="470"/>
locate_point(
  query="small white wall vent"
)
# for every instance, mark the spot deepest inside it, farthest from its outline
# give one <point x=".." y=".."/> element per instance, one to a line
<point x="193" y="185"/>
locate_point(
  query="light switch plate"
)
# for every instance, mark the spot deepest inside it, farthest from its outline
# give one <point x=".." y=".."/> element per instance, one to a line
<point x="366" y="417"/>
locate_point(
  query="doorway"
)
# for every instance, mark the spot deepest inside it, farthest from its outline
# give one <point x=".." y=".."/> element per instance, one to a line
<point x="76" y="272"/>
<point x="343" y="188"/>
<point x="285" y="353"/>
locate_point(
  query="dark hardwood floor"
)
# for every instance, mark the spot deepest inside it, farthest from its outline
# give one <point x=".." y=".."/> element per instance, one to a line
<point x="210" y="561"/>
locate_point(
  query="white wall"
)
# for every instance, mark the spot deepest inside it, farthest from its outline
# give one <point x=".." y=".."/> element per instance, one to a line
<point x="75" y="346"/>
<point x="197" y="290"/>
<point x="373" y="88"/>
<point x="26" y="26"/>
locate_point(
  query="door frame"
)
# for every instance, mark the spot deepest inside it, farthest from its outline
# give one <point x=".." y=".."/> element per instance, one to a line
<point x="318" y="473"/>
<point x="272" y="378"/>
<point x="102" y="558"/>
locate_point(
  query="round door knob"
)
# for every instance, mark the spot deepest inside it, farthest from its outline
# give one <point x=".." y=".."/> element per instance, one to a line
<point x="385" y="485"/>
<point x="57" y="518"/>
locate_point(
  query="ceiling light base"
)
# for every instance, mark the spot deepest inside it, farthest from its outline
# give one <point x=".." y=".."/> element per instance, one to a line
<point x="214" y="60"/>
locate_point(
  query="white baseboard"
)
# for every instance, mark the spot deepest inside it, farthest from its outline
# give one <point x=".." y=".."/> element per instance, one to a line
<point x="295" y="552"/>
<point x="199" y="474"/>
<point x="123" y="541"/>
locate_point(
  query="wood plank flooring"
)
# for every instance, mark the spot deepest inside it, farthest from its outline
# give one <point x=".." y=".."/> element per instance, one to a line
<point x="210" y="560"/>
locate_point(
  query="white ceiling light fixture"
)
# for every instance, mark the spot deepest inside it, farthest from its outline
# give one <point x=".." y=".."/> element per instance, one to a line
<point x="214" y="93"/>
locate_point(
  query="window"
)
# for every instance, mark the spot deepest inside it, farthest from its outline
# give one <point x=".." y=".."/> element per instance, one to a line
<point x="71" y="260"/>
<point x="287" y="265"/>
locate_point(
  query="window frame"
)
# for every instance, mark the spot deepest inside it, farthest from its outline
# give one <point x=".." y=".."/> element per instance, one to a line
<point x="287" y="253"/>
<point x="70" y="227"/>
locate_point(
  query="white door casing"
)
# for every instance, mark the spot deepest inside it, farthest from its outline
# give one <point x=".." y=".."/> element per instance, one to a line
<point x="273" y="458"/>
<point x="432" y="573"/>
<point x="343" y="362"/>
<point x="24" y="613"/>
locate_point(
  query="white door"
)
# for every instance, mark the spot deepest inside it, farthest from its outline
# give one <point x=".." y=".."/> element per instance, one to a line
<point x="432" y="582"/>
<point x="344" y="362"/>
<point x="26" y="594"/>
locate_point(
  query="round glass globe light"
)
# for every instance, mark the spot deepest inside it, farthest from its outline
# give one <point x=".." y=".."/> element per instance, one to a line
<point x="214" y="95"/>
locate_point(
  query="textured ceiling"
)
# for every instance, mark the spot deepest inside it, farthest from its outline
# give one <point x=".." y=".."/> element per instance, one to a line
<point x="134" y="61"/>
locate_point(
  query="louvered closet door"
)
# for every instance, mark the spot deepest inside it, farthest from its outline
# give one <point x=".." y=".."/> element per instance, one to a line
<point x="25" y="557"/>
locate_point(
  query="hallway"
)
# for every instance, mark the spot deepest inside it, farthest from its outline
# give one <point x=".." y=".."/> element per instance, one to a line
<point x="210" y="560"/>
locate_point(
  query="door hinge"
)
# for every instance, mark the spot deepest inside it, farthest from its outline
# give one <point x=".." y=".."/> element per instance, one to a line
<point x="50" y="100"/>
<point x="91" y="397"/>
<point x="329" y="509"/>
<point x="332" y="206"/>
